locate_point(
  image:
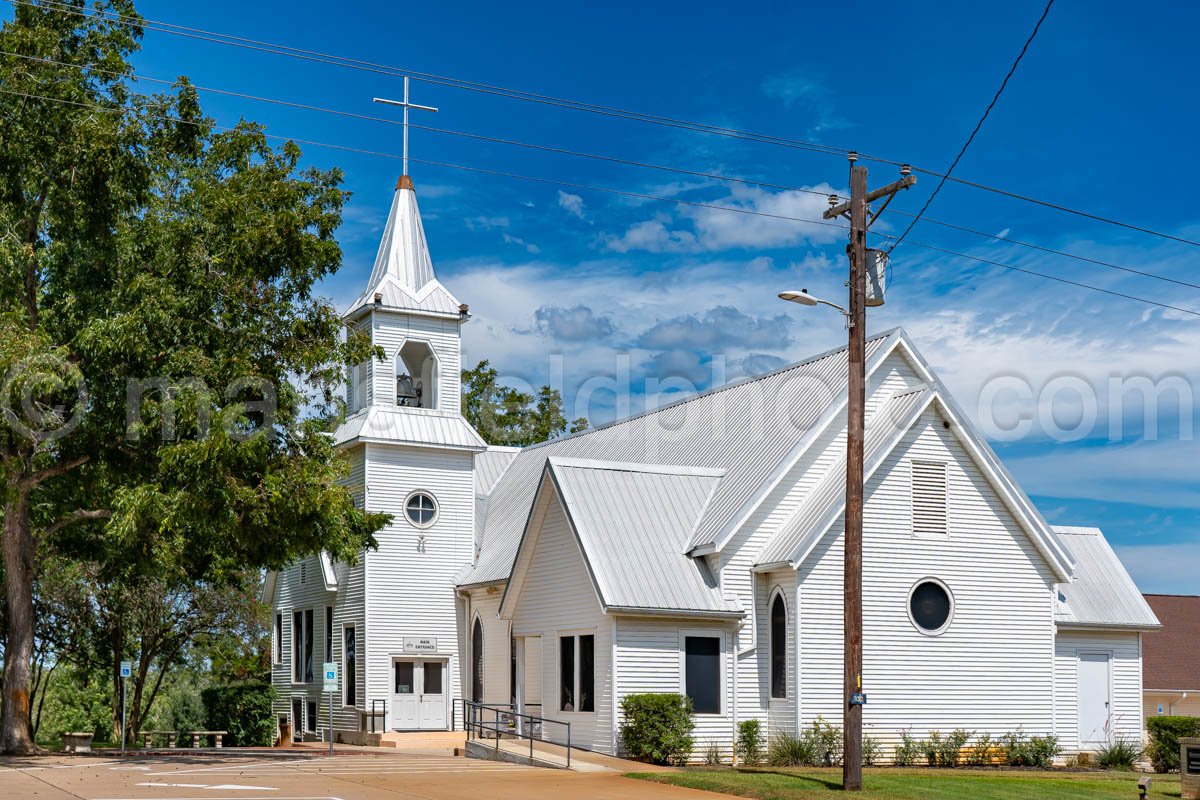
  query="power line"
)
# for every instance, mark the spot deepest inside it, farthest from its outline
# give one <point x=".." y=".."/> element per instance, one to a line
<point x="620" y="192"/>
<point x="609" y="159"/>
<point x="533" y="97"/>
<point x="978" y="125"/>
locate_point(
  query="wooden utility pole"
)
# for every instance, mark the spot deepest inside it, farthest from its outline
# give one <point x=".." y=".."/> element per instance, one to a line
<point x="854" y="698"/>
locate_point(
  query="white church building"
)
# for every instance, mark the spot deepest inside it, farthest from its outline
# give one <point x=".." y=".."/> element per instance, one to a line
<point x="696" y="548"/>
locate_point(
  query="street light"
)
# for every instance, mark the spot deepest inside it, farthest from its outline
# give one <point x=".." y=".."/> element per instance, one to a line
<point x="803" y="298"/>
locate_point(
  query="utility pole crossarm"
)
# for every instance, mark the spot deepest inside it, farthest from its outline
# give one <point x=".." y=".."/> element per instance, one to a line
<point x="872" y="196"/>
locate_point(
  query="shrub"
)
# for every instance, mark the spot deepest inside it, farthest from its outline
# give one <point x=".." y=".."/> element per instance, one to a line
<point x="658" y="727"/>
<point x="1118" y="754"/>
<point x="908" y="751"/>
<point x="1024" y="751"/>
<point x="712" y="754"/>
<point x="789" y="750"/>
<point x="244" y="710"/>
<point x="870" y="751"/>
<point x="943" y="752"/>
<point x="749" y="743"/>
<point x="827" y="742"/>
<point x="980" y="752"/>
<point x="1165" y="733"/>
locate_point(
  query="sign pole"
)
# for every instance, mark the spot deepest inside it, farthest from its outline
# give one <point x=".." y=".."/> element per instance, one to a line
<point x="330" y="671"/>
<point x="126" y="671"/>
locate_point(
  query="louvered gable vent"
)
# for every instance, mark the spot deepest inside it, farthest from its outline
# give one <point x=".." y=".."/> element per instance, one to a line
<point x="929" y="498"/>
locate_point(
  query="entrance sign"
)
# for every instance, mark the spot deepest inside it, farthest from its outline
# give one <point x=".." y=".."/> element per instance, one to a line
<point x="420" y="644"/>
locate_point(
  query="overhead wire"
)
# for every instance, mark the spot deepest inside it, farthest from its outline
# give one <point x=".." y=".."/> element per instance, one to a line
<point x="620" y="192"/>
<point x="605" y="158"/>
<point x="978" y="125"/>
<point x="517" y="94"/>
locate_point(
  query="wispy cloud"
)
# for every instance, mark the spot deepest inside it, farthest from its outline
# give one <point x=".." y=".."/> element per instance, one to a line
<point x="571" y="203"/>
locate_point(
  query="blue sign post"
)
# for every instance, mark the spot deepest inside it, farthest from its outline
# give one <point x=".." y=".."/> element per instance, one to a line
<point x="126" y="671"/>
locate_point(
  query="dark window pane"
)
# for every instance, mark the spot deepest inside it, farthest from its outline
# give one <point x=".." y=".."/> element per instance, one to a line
<point x="566" y="673"/>
<point x="778" y="648"/>
<point x="404" y="677"/>
<point x="433" y="677"/>
<point x="477" y="660"/>
<point x="297" y="648"/>
<point x="930" y="606"/>
<point x="350" y="679"/>
<point x="308" y="646"/>
<point x="512" y="670"/>
<point x="278" y="638"/>
<point x="702" y="664"/>
<point x="312" y="715"/>
<point x="297" y="719"/>
<point x="329" y="633"/>
<point x="587" y="673"/>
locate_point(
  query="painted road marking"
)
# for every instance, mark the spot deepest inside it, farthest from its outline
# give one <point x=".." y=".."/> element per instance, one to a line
<point x="210" y="786"/>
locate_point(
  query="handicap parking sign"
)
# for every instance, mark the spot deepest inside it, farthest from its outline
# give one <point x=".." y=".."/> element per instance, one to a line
<point x="331" y="681"/>
<point x="126" y="669"/>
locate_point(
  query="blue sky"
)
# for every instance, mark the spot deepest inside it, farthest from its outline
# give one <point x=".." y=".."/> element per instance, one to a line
<point x="593" y="285"/>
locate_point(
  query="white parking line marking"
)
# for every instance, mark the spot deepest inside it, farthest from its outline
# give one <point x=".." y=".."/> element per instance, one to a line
<point x="210" y="786"/>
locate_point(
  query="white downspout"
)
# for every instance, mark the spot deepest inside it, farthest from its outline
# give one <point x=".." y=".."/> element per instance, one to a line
<point x="737" y="634"/>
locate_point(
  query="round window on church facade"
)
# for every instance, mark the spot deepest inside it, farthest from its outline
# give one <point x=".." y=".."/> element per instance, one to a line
<point x="930" y="606"/>
<point x="421" y="509"/>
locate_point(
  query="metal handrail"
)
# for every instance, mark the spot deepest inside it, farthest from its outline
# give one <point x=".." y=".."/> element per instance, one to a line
<point x="373" y="702"/>
<point x="474" y="724"/>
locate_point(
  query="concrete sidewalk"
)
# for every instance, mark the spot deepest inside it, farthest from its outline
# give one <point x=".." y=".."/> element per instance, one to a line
<point x="361" y="776"/>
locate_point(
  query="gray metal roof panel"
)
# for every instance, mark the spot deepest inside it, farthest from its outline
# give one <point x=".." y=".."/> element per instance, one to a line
<point x="1101" y="593"/>
<point x="412" y="426"/>
<point x="633" y="521"/>
<point x="745" y="428"/>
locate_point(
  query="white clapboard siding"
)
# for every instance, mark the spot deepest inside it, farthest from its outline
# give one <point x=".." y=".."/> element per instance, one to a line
<point x="410" y="578"/>
<point x="991" y="670"/>
<point x="292" y="595"/>
<point x="781" y="712"/>
<point x="1125" y="689"/>
<point x="895" y="374"/>
<point x="497" y="652"/>
<point x="650" y="659"/>
<point x="392" y="330"/>
<point x="558" y="599"/>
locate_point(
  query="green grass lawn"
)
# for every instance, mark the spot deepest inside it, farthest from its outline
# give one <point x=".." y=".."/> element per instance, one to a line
<point x="918" y="784"/>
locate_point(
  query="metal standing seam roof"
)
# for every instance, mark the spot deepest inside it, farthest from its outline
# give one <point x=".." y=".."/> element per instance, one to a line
<point x="827" y="500"/>
<point x="655" y="508"/>
<point x="412" y="426"/>
<point x="403" y="273"/>
<point x="1101" y="593"/>
<point x="745" y="428"/>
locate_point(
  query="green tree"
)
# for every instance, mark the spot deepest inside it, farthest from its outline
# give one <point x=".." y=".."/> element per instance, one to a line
<point x="504" y="416"/>
<point x="169" y="374"/>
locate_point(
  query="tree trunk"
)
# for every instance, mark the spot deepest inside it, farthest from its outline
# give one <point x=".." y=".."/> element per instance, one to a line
<point x="116" y="638"/>
<point x="17" y="546"/>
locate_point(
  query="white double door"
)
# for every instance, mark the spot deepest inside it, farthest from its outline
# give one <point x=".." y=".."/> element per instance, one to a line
<point x="419" y="697"/>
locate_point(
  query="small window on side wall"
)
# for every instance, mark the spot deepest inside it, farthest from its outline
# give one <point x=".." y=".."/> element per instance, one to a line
<point x="702" y="673"/>
<point x="778" y="647"/>
<point x="930" y="606"/>
<point x="421" y="509"/>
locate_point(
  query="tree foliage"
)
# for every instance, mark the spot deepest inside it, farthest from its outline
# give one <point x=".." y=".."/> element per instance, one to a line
<point x="169" y="373"/>
<point x="505" y="416"/>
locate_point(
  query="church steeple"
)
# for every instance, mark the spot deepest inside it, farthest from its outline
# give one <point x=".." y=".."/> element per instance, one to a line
<point x="403" y="278"/>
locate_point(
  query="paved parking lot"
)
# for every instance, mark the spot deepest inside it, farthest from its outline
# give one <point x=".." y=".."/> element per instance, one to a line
<point x="373" y="776"/>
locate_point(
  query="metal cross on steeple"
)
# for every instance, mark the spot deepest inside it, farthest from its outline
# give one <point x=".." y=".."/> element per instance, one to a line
<point x="406" y="106"/>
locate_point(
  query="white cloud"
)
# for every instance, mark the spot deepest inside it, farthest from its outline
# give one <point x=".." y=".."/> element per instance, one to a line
<point x="1162" y="568"/>
<point x="533" y="249"/>
<point x="653" y="236"/>
<point x="571" y="203"/>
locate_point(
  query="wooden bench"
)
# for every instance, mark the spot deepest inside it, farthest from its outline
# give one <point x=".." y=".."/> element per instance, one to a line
<point x="198" y="735"/>
<point x="77" y="742"/>
<point x="147" y="737"/>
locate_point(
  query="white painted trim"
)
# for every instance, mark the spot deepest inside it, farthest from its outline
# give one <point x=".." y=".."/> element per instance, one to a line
<point x="722" y="664"/>
<point x="773" y="594"/>
<point x="437" y="373"/>
<point x="437" y="509"/>
<point x="573" y="634"/>
<point x="949" y="617"/>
